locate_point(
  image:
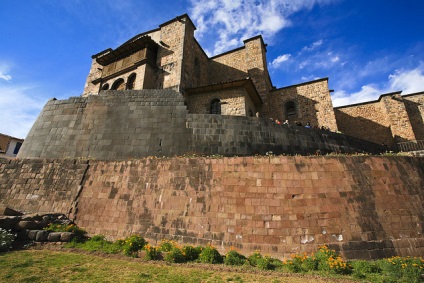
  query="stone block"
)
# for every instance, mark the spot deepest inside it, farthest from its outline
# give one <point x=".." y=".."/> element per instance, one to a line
<point x="54" y="236"/>
<point x="42" y="236"/>
<point x="26" y="224"/>
<point x="66" y="236"/>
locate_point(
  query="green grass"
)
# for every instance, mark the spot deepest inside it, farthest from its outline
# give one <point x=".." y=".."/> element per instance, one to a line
<point x="64" y="266"/>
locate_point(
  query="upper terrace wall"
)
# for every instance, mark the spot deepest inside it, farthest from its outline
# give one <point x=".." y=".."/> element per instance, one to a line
<point x="132" y="124"/>
<point x="368" y="207"/>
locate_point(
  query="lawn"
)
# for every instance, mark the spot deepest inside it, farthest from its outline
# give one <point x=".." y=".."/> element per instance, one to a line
<point x="72" y="266"/>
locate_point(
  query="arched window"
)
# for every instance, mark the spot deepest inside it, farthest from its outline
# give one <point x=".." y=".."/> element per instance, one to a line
<point x="118" y="85"/>
<point x="105" y="87"/>
<point x="131" y="81"/>
<point x="290" y="110"/>
<point x="216" y="106"/>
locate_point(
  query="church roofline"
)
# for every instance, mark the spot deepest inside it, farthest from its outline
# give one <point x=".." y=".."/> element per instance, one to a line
<point x="301" y="84"/>
<point x="369" y="102"/>
<point x="178" y="18"/>
<point x="241" y="47"/>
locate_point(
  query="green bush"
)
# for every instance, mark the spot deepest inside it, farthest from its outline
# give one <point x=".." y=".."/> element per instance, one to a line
<point x="132" y="244"/>
<point x="253" y="258"/>
<point x="6" y="240"/>
<point x="265" y="263"/>
<point x="210" y="255"/>
<point x="167" y="245"/>
<point x="234" y="258"/>
<point x="176" y="255"/>
<point x="152" y="252"/>
<point x="191" y="253"/>
<point x="362" y="268"/>
<point x="405" y="269"/>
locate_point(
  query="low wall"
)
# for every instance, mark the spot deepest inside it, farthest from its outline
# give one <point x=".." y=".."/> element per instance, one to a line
<point x="366" y="207"/>
<point x="133" y="124"/>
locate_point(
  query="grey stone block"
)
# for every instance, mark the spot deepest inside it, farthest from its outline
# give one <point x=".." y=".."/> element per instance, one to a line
<point x="66" y="236"/>
<point x="42" y="236"/>
<point x="54" y="236"/>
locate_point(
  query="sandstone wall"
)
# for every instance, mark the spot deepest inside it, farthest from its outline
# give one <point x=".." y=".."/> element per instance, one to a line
<point x="383" y="121"/>
<point x="367" y="207"/>
<point x="414" y="104"/>
<point x="233" y="102"/>
<point x="313" y="104"/>
<point x="41" y="185"/>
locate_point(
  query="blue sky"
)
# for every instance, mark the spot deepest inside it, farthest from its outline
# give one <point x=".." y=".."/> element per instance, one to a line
<point x="366" y="48"/>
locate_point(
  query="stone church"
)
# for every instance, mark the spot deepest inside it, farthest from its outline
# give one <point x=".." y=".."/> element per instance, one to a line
<point x="237" y="82"/>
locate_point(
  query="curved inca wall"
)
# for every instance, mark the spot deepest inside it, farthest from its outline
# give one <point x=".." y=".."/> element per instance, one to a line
<point x="133" y="124"/>
<point x="367" y="207"/>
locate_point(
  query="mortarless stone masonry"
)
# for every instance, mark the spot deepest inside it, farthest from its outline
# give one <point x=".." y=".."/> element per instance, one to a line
<point x="367" y="207"/>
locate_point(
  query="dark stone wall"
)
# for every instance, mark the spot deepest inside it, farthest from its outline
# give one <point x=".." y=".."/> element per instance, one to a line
<point x="366" y="207"/>
<point x="133" y="124"/>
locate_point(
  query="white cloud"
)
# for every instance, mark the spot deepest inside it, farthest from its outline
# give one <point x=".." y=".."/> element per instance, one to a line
<point x="367" y="93"/>
<point x="232" y="21"/>
<point x="313" y="46"/>
<point x="280" y="59"/>
<point x="407" y="81"/>
<point x="19" y="108"/>
<point x="4" y="70"/>
<point x="5" y="77"/>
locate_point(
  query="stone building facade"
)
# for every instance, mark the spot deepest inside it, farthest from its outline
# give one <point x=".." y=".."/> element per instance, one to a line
<point x="237" y="82"/>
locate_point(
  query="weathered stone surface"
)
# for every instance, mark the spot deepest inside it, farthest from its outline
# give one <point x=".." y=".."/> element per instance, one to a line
<point x="26" y="224"/>
<point x="66" y="236"/>
<point x="54" y="236"/>
<point x="365" y="206"/>
<point x="42" y="236"/>
<point x="7" y="211"/>
<point x="32" y="234"/>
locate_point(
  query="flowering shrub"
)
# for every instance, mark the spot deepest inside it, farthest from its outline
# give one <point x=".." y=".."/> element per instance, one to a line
<point x="324" y="259"/>
<point x="210" y="254"/>
<point x="152" y="252"/>
<point x="6" y="240"/>
<point x="406" y="269"/>
<point x="167" y="245"/>
<point x="234" y="258"/>
<point x="191" y="253"/>
<point x="254" y="258"/>
<point x="176" y="255"/>
<point x="132" y="244"/>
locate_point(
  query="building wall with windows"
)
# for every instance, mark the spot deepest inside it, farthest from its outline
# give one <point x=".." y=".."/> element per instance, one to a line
<point x="9" y="146"/>
<point x="308" y="102"/>
<point x="170" y="57"/>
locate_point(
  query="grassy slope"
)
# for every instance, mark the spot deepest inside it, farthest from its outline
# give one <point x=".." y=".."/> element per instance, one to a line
<point x="55" y="266"/>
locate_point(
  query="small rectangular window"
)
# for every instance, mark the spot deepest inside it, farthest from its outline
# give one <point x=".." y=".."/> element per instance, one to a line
<point x="17" y="147"/>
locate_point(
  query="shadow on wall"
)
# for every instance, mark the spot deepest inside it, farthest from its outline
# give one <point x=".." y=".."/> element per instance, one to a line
<point x="415" y="113"/>
<point x="362" y="128"/>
